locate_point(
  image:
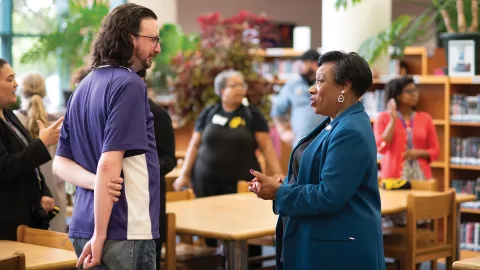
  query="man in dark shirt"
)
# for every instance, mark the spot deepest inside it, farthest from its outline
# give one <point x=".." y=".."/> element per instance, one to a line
<point x="165" y="139"/>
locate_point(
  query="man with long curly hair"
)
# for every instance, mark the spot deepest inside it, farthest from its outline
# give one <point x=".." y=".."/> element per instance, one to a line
<point x="109" y="133"/>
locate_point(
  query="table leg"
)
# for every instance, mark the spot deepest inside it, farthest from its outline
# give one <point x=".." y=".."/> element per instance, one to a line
<point x="459" y="233"/>
<point x="236" y="255"/>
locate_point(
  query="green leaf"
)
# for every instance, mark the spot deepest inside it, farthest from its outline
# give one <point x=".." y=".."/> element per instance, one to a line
<point x="375" y="46"/>
<point x="344" y="3"/>
<point x="72" y="39"/>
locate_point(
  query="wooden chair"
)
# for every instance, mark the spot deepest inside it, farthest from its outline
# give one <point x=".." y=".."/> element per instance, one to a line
<point x="173" y="196"/>
<point x="429" y="185"/>
<point x="187" y="254"/>
<point x="410" y="249"/>
<point x="242" y="186"/>
<point x="15" y="262"/>
<point x="43" y="238"/>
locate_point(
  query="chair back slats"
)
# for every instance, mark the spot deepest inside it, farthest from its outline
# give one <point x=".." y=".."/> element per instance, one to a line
<point x="43" y="238"/>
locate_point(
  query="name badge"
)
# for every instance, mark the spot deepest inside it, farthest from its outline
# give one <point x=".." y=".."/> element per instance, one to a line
<point x="299" y="91"/>
<point x="219" y="120"/>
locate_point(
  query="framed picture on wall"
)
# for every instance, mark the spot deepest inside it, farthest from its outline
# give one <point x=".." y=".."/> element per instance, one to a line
<point x="461" y="54"/>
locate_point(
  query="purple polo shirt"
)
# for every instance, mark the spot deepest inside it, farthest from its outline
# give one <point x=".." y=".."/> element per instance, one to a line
<point x="109" y="112"/>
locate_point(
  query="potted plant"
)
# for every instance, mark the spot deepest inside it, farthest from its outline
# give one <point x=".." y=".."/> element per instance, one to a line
<point x="453" y="19"/>
<point x="224" y="44"/>
<point x="173" y="42"/>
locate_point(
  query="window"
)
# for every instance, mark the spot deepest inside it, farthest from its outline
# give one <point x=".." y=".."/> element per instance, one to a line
<point x="22" y="22"/>
<point x="33" y="17"/>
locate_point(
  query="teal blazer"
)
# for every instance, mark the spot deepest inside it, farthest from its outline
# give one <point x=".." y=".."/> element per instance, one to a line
<point x="334" y="207"/>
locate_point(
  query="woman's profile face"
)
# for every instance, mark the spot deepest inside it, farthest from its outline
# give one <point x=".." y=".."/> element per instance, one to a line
<point x="234" y="90"/>
<point x="409" y="95"/>
<point x="8" y="86"/>
<point x="325" y="92"/>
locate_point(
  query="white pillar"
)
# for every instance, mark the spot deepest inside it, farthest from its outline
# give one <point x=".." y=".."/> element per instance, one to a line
<point x="347" y="29"/>
<point x="166" y="10"/>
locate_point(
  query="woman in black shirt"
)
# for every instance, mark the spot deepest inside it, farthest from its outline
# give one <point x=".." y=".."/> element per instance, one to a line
<point x="222" y="148"/>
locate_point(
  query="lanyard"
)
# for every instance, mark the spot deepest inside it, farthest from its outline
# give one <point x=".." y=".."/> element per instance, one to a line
<point x="408" y="128"/>
<point x="104" y="66"/>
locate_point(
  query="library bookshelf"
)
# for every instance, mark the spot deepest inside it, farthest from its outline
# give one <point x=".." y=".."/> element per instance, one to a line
<point x="434" y="99"/>
<point x="440" y="96"/>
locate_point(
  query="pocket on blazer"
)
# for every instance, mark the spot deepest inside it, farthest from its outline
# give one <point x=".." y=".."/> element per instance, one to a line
<point x="334" y="239"/>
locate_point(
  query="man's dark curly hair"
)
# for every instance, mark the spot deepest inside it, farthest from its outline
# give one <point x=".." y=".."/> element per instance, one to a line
<point x="113" y="43"/>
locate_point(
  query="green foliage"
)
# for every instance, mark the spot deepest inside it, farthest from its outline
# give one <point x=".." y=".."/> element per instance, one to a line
<point x="344" y="3"/>
<point x="407" y="29"/>
<point x="173" y="42"/>
<point x="72" y="39"/>
<point x="223" y="45"/>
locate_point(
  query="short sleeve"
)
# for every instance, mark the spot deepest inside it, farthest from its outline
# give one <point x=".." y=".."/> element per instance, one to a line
<point x="259" y="123"/>
<point x="126" y="125"/>
<point x="202" y="119"/>
<point x="63" y="146"/>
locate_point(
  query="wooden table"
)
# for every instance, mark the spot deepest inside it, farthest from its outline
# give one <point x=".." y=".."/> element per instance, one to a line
<point x="40" y="257"/>
<point x="395" y="201"/>
<point x="468" y="264"/>
<point x="233" y="218"/>
<point x="238" y="217"/>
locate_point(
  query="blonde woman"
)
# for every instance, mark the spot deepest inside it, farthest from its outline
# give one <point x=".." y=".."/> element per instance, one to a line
<point x="32" y="90"/>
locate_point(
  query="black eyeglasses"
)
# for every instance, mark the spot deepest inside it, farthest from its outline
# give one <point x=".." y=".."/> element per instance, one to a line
<point x="155" y="40"/>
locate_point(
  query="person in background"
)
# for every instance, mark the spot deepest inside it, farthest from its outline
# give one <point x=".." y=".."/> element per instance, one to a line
<point x="329" y="205"/>
<point x="223" y="145"/>
<point x="165" y="139"/>
<point x="406" y="138"/>
<point x="294" y="95"/>
<point x="109" y="130"/>
<point x="24" y="196"/>
<point x="32" y="91"/>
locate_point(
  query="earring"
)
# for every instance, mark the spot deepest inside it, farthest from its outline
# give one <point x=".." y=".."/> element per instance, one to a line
<point x="341" y="98"/>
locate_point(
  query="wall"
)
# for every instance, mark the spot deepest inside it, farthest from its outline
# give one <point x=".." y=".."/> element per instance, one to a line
<point x="303" y="12"/>
<point x="166" y="10"/>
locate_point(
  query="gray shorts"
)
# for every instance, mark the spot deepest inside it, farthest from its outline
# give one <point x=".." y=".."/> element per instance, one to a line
<point x="123" y="255"/>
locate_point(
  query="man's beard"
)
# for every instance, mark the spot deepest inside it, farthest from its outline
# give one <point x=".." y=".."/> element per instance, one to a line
<point x="308" y="76"/>
<point x="146" y="64"/>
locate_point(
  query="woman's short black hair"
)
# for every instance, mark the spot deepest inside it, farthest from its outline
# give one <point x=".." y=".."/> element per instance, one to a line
<point x="395" y="87"/>
<point x="349" y="67"/>
<point x="113" y="44"/>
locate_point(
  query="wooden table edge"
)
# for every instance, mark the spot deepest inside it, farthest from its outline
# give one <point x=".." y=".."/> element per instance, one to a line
<point x="227" y="236"/>
<point x="459" y="265"/>
<point x="54" y="266"/>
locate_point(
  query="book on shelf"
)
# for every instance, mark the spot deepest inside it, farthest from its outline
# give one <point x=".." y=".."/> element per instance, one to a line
<point x="374" y="102"/>
<point x="464" y="108"/>
<point x="465" y="151"/>
<point x="280" y="68"/>
<point x="470" y="236"/>
<point x="462" y="186"/>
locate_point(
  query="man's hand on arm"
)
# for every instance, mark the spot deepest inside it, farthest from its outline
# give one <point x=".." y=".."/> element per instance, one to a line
<point x="72" y="172"/>
<point x="109" y="167"/>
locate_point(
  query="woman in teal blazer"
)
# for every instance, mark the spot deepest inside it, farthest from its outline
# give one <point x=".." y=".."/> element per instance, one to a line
<point x="329" y="203"/>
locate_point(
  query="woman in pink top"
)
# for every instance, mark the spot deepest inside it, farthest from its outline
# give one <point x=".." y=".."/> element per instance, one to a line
<point x="405" y="137"/>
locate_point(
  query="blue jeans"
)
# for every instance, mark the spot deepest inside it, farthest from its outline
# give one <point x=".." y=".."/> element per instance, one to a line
<point x="123" y="255"/>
